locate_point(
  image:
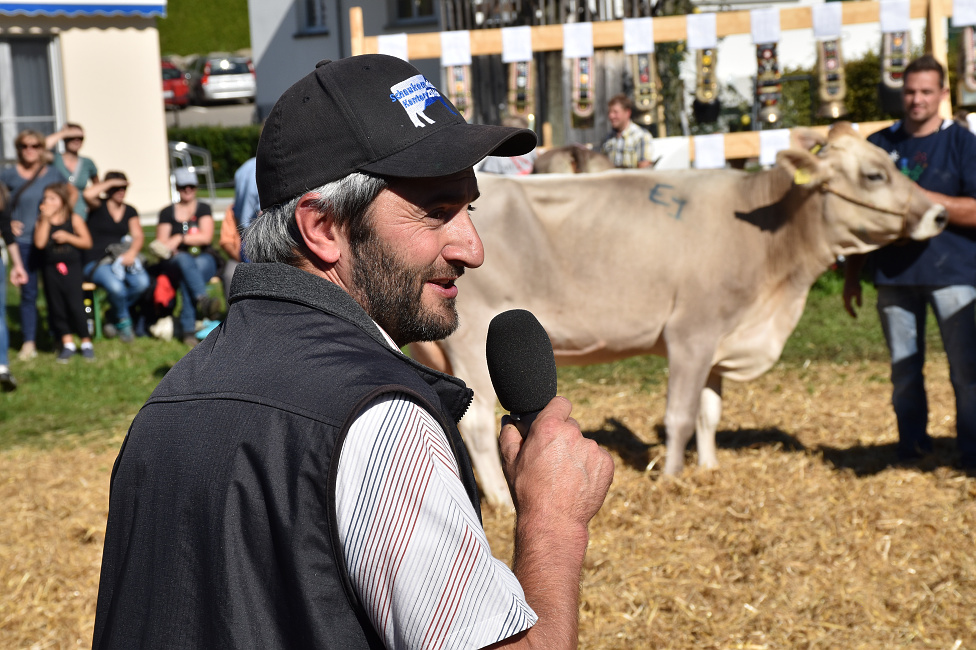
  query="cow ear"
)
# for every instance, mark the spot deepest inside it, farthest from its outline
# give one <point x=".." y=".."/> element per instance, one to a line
<point x="808" y="139"/>
<point x="802" y="166"/>
<point x="842" y="128"/>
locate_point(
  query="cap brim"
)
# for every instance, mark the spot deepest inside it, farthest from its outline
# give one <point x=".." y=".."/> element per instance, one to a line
<point x="453" y="149"/>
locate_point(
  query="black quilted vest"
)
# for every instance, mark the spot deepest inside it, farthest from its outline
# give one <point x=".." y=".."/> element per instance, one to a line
<point x="221" y="528"/>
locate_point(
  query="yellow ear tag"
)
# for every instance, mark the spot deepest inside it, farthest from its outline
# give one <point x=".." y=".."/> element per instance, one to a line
<point x="802" y="177"/>
<point x="815" y="149"/>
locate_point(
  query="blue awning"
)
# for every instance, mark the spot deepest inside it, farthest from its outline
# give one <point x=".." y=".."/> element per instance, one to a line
<point x="84" y="8"/>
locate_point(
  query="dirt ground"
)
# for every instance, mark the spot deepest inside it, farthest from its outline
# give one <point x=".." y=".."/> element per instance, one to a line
<point x="808" y="536"/>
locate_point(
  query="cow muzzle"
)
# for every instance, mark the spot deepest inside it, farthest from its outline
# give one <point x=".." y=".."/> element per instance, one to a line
<point x="931" y="224"/>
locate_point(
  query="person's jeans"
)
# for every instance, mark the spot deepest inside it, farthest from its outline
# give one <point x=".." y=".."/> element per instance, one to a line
<point x="195" y="272"/>
<point x="902" y="310"/>
<point x="28" y="292"/>
<point x="4" y="337"/>
<point x="122" y="293"/>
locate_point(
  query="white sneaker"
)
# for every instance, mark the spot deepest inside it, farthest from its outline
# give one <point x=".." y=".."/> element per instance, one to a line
<point x="162" y="329"/>
<point x="28" y="351"/>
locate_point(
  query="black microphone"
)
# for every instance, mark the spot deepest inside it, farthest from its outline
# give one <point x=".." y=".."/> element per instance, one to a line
<point x="521" y="365"/>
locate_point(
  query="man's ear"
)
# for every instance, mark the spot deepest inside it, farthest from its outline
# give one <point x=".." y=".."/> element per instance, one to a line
<point x="318" y="229"/>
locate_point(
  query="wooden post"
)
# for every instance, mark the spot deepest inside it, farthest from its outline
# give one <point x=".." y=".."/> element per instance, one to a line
<point x="936" y="44"/>
<point x="356" y="33"/>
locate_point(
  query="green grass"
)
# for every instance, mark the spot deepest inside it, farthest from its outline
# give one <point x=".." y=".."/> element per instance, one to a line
<point x="202" y="26"/>
<point x="90" y="402"/>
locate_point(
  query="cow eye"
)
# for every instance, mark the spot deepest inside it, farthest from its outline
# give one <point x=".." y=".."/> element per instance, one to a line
<point x="875" y="177"/>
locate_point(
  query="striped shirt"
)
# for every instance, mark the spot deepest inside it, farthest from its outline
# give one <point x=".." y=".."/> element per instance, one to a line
<point x="629" y="147"/>
<point x="414" y="549"/>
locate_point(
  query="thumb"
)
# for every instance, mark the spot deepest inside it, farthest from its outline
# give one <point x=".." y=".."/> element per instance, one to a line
<point x="509" y="441"/>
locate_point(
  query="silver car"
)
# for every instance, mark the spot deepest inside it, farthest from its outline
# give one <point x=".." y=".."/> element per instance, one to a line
<point x="220" y="77"/>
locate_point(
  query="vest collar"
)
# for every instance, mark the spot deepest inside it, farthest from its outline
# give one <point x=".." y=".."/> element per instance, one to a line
<point x="276" y="281"/>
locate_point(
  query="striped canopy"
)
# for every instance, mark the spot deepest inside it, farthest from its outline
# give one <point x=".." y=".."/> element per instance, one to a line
<point x="84" y="8"/>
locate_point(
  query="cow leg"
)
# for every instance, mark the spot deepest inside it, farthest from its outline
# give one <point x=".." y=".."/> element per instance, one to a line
<point x="688" y="372"/>
<point x="709" y="414"/>
<point x="431" y="355"/>
<point x="478" y="431"/>
<point x="478" y="427"/>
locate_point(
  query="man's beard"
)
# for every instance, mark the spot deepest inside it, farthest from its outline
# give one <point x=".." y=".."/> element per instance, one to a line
<point x="391" y="292"/>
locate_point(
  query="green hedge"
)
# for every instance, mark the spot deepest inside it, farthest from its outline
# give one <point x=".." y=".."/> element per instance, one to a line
<point x="228" y="146"/>
<point x="202" y="26"/>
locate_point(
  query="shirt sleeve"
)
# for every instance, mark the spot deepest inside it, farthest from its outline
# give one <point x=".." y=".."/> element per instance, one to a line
<point x="647" y="147"/>
<point x="166" y="216"/>
<point x="414" y="549"/>
<point x="967" y="165"/>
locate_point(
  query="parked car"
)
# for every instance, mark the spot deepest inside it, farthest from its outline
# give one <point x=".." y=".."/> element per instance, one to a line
<point x="176" y="92"/>
<point x="220" y="77"/>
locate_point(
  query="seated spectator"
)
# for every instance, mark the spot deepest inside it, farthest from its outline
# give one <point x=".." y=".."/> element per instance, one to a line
<point x="113" y="261"/>
<point x="76" y="168"/>
<point x="184" y="236"/>
<point x="60" y="235"/>
<point x="26" y="181"/>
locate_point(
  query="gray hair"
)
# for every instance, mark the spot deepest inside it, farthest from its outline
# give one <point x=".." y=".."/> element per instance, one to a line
<point x="274" y="236"/>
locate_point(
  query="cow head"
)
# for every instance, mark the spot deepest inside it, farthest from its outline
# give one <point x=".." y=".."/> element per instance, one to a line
<point x="867" y="201"/>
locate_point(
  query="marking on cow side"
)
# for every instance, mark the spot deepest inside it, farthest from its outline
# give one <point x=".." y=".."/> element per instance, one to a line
<point x="661" y="194"/>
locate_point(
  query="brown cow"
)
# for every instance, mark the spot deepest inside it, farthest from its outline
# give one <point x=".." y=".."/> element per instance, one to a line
<point x="709" y="268"/>
<point x="571" y="159"/>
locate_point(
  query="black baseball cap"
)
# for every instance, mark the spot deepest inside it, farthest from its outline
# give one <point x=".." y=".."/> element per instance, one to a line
<point x="372" y="113"/>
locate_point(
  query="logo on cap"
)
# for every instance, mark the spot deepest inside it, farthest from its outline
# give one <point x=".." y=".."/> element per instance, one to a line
<point x="415" y="95"/>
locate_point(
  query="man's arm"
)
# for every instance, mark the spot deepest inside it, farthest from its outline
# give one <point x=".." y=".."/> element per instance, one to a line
<point x="961" y="209"/>
<point x="647" y="152"/>
<point x="559" y="480"/>
<point x="852" y="283"/>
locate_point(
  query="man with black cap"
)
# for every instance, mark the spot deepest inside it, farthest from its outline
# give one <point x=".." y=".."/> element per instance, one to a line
<point x="296" y="481"/>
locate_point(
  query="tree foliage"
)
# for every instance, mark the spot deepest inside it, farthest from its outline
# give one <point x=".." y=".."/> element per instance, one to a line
<point x="202" y="26"/>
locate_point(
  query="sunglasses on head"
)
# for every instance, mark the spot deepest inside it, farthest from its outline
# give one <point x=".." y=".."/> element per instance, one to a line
<point x="30" y="146"/>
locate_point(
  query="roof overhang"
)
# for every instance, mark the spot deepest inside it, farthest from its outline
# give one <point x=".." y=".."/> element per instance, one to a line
<point x="84" y="8"/>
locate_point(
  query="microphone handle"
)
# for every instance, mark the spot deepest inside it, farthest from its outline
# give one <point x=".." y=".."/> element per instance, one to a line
<point x="523" y="421"/>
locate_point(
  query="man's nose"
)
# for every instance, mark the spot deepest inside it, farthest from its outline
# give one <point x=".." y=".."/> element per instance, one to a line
<point x="465" y="246"/>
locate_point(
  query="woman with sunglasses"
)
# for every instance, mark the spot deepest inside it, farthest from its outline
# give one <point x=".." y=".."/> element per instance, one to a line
<point x="76" y="168"/>
<point x="113" y="260"/>
<point x="26" y="182"/>
<point x="184" y="237"/>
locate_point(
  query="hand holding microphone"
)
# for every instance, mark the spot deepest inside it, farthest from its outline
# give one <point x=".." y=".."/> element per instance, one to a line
<point x="555" y="469"/>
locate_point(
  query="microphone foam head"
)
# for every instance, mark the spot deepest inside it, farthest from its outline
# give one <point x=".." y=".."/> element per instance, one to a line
<point x="520" y="362"/>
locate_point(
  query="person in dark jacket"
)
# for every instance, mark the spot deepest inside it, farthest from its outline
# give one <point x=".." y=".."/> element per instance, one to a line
<point x="295" y="481"/>
<point x="18" y="276"/>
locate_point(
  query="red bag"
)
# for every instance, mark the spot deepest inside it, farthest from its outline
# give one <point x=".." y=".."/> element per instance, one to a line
<point x="164" y="295"/>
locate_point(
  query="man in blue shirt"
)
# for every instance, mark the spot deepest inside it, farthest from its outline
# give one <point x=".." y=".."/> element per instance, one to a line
<point x="940" y="156"/>
<point x="246" y="207"/>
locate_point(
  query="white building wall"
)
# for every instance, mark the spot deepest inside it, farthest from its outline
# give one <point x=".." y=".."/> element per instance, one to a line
<point x="282" y="55"/>
<point x="112" y="87"/>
